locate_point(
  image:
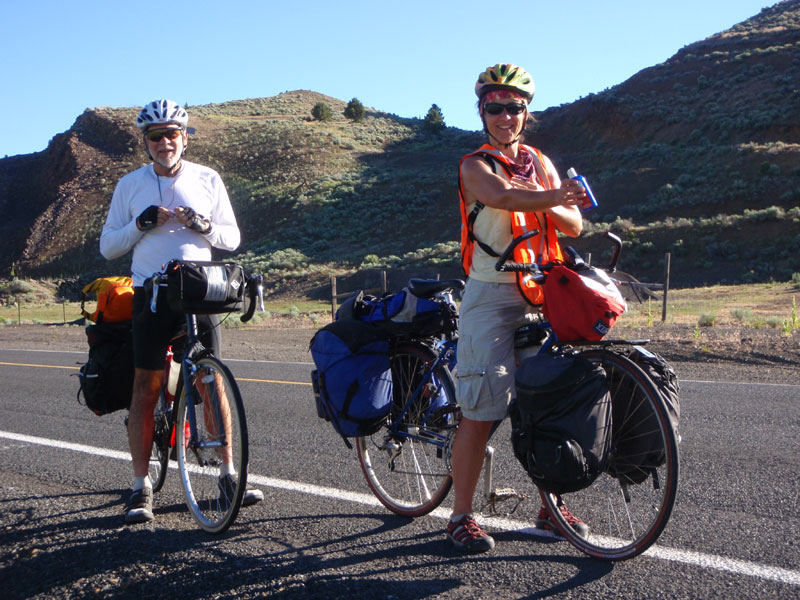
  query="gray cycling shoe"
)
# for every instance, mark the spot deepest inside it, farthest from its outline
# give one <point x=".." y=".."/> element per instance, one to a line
<point x="139" y="507"/>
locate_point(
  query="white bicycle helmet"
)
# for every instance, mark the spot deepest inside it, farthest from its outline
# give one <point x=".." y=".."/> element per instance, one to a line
<point x="162" y="112"/>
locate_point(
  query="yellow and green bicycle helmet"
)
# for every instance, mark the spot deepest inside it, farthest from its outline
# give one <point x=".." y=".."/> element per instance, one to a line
<point x="505" y="76"/>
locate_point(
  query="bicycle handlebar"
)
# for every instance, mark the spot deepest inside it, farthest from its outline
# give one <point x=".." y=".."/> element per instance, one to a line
<point x="501" y="264"/>
<point x="612" y="266"/>
<point x="255" y="292"/>
<point x="538" y="271"/>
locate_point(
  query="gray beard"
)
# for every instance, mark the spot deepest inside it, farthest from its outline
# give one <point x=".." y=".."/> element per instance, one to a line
<point x="171" y="167"/>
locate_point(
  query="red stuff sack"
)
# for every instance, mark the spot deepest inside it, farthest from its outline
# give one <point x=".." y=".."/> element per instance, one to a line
<point x="581" y="305"/>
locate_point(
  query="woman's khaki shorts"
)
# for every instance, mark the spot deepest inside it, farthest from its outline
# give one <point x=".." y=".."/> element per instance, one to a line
<point x="490" y="314"/>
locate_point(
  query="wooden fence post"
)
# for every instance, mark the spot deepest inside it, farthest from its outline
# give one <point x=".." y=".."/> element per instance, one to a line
<point x="333" y="297"/>
<point x="335" y="293"/>
<point x="667" y="258"/>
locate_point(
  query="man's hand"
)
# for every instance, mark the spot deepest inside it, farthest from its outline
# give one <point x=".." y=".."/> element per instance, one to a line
<point x="189" y="218"/>
<point x="153" y="216"/>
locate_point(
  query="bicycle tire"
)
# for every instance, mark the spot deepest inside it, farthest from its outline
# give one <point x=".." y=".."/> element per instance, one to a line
<point x="406" y="462"/>
<point x="159" y="453"/>
<point x="625" y="519"/>
<point x="213" y="504"/>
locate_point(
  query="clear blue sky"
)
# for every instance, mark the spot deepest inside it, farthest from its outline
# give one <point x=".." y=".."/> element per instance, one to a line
<point x="60" y="57"/>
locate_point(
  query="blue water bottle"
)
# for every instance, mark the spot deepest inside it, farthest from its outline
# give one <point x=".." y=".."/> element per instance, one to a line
<point x="590" y="201"/>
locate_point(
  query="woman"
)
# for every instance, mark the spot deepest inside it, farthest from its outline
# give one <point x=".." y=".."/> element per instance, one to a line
<point x="506" y="189"/>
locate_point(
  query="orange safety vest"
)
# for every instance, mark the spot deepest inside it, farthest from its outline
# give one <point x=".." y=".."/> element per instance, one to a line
<point x="541" y="248"/>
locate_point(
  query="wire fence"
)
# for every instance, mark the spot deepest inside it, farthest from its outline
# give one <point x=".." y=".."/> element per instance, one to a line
<point x="18" y="311"/>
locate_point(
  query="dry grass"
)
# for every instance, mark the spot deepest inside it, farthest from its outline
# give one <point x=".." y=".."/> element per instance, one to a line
<point x="754" y="305"/>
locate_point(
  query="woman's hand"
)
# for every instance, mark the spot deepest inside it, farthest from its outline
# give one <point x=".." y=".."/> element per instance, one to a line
<point x="572" y="193"/>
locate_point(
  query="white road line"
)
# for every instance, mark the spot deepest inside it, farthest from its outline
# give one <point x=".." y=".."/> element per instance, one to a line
<point x="698" y="559"/>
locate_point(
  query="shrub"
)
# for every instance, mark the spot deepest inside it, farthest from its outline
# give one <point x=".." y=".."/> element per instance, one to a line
<point x="354" y="110"/>
<point x="16" y="287"/>
<point x="322" y="112"/>
<point x="706" y="320"/>
<point x="742" y="314"/>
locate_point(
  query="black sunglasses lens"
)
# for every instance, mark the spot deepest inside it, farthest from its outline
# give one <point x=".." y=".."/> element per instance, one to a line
<point x="496" y="109"/>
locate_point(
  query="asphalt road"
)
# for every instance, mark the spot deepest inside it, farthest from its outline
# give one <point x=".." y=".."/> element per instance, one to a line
<point x="64" y="474"/>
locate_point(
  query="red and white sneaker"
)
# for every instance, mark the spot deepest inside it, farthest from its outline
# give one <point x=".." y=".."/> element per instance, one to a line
<point x="545" y="521"/>
<point x="465" y="534"/>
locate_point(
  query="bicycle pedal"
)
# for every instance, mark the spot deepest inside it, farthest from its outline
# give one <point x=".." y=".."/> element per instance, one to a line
<point x="503" y="495"/>
<point x="500" y="494"/>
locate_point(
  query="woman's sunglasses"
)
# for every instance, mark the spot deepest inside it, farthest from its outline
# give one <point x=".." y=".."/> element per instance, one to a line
<point x="160" y="134"/>
<point x="495" y="108"/>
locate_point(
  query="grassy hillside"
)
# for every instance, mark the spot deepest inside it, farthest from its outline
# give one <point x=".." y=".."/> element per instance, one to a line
<point x="698" y="156"/>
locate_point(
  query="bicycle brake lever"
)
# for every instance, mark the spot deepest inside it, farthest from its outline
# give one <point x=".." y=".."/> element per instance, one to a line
<point x="154" y="296"/>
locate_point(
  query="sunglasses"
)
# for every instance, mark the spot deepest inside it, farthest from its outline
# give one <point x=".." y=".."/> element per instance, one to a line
<point x="495" y="108"/>
<point x="160" y="134"/>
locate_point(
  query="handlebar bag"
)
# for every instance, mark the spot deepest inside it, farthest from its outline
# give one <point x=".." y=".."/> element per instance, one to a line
<point x="561" y="421"/>
<point x="204" y="287"/>
<point x="353" y="379"/>
<point x="581" y="305"/>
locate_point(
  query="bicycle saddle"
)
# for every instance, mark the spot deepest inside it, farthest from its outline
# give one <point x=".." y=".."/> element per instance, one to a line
<point x="426" y="288"/>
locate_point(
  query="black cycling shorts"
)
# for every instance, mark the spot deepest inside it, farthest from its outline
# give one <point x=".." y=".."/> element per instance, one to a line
<point x="153" y="332"/>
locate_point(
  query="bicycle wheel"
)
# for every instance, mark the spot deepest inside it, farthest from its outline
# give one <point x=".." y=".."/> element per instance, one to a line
<point x="214" y="447"/>
<point x="159" y="454"/>
<point x="625" y="518"/>
<point x="406" y="463"/>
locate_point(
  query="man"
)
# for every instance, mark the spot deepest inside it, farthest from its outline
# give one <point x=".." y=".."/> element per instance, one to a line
<point x="168" y="209"/>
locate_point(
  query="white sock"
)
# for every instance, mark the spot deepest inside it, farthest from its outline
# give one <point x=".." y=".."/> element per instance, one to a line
<point x="227" y="469"/>
<point x="456" y="518"/>
<point x="142" y="482"/>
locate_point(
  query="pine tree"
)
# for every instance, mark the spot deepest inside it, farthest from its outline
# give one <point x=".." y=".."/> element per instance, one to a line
<point x="354" y="110"/>
<point x="434" y="120"/>
<point x="322" y="112"/>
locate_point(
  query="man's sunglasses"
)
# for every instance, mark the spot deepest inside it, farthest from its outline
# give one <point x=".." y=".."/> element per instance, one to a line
<point x="160" y="134"/>
<point x="495" y="108"/>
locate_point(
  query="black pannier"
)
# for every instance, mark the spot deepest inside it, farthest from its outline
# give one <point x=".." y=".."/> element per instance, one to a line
<point x="106" y="379"/>
<point x="561" y="421"/>
<point x="639" y="446"/>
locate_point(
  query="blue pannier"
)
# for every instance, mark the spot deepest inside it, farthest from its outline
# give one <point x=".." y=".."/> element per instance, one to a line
<point x="353" y="378"/>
